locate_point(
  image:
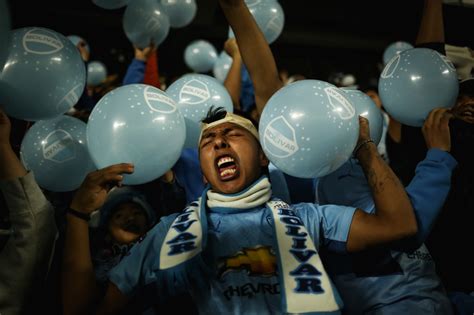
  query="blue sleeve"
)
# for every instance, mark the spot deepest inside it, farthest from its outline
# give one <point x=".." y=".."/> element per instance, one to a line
<point x="328" y="225"/>
<point x="429" y="188"/>
<point x="135" y="72"/>
<point x="140" y="267"/>
<point x="247" y="92"/>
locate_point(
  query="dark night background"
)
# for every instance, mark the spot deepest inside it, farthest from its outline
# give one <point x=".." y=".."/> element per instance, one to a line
<point x="319" y="37"/>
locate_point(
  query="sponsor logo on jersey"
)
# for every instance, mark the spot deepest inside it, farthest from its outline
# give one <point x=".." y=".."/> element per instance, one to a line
<point x="257" y="261"/>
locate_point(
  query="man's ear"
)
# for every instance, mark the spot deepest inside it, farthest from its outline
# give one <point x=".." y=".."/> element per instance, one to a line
<point x="264" y="161"/>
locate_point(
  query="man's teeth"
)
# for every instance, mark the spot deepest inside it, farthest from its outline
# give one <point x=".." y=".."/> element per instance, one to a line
<point x="227" y="172"/>
<point x="223" y="160"/>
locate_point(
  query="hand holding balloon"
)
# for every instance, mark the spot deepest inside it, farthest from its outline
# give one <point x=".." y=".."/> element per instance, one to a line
<point x="436" y="129"/>
<point x="93" y="191"/>
<point x="364" y="141"/>
<point x="231" y="47"/>
<point x="143" y="54"/>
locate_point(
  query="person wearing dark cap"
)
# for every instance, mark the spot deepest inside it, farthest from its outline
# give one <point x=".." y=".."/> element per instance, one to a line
<point x="124" y="218"/>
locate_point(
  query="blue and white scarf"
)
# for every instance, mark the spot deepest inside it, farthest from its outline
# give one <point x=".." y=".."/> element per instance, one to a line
<point x="306" y="287"/>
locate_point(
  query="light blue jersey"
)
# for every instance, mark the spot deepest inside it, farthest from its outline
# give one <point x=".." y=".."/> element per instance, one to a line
<point x="385" y="281"/>
<point x="237" y="271"/>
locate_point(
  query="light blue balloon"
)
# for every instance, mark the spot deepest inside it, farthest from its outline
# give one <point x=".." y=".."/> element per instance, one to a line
<point x="269" y="16"/>
<point x="137" y="124"/>
<point x="4" y="32"/>
<point x="56" y="151"/>
<point x="195" y="94"/>
<point x="308" y="129"/>
<point x="394" y="49"/>
<point x="222" y="66"/>
<point x="180" y="12"/>
<point x="200" y="56"/>
<point x="96" y="73"/>
<point x="145" y="21"/>
<point x="415" y="82"/>
<point x="77" y="39"/>
<point x="111" y="4"/>
<point x="44" y="75"/>
<point x="365" y="107"/>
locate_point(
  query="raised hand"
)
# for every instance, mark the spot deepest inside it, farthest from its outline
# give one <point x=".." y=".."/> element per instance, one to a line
<point x="436" y="129"/>
<point x="94" y="189"/>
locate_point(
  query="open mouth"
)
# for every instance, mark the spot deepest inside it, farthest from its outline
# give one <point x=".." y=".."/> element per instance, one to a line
<point x="227" y="167"/>
<point x="132" y="227"/>
<point x="465" y="113"/>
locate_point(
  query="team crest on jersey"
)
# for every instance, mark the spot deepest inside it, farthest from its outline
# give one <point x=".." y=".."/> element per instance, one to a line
<point x="257" y="261"/>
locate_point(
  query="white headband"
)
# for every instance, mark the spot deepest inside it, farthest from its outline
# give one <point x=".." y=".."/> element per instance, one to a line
<point x="234" y="119"/>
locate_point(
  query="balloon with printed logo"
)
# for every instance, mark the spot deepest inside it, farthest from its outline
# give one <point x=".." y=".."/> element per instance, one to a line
<point x="394" y="49"/>
<point x="4" y="31"/>
<point x="180" y="12"/>
<point x="200" y="56"/>
<point x="222" y="66"/>
<point x="44" y="75"/>
<point x="77" y="39"/>
<point x="137" y="124"/>
<point x="56" y="151"/>
<point x="415" y="82"/>
<point x="146" y="22"/>
<point x="111" y="4"/>
<point x="195" y="94"/>
<point x="309" y="128"/>
<point x="96" y="73"/>
<point x="269" y="16"/>
<point x="365" y="107"/>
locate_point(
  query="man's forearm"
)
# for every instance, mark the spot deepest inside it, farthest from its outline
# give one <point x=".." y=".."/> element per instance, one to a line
<point x="432" y="25"/>
<point x="256" y="53"/>
<point x="79" y="288"/>
<point x="233" y="81"/>
<point x="391" y="201"/>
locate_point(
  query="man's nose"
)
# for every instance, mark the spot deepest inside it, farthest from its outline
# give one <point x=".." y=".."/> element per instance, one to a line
<point x="220" y="143"/>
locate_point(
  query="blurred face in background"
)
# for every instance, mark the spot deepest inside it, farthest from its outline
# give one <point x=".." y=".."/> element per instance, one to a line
<point x="128" y="222"/>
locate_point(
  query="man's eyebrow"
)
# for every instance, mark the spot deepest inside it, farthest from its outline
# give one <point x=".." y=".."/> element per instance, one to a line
<point x="213" y="133"/>
<point x="209" y="135"/>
